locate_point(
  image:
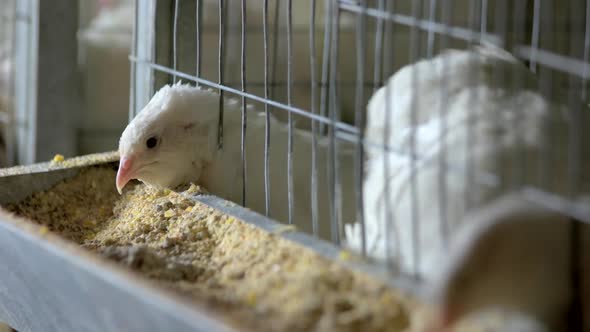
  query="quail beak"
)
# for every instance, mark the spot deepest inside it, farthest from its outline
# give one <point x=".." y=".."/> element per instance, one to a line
<point x="125" y="173"/>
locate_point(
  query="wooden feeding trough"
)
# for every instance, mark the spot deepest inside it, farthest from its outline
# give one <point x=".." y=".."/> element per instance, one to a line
<point x="94" y="272"/>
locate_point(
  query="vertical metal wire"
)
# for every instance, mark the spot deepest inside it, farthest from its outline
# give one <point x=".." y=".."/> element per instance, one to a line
<point x="244" y="114"/>
<point x="153" y="55"/>
<point x="586" y="51"/>
<point x="584" y="92"/>
<point x="199" y="26"/>
<point x="314" y="124"/>
<point x="132" y="95"/>
<point x="548" y="34"/>
<point x="360" y="115"/>
<point x="546" y="86"/>
<point x="290" y="115"/>
<point x="472" y="111"/>
<point x="174" y="40"/>
<point x="577" y="43"/>
<point x="11" y="147"/>
<point x="518" y="161"/>
<point x="574" y="139"/>
<point x="535" y="35"/>
<point x="10" y="120"/>
<point x="431" y="18"/>
<point x="414" y="52"/>
<point x="220" y="72"/>
<point x="266" y="113"/>
<point x="442" y="174"/>
<point x="500" y="76"/>
<point x="379" y="35"/>
<point x="324" y="100"/>
<point x="275" y="44"/>
<point x="333" y="164"/>
<point x="574" y="164"/>
<point x="586" y="57"/>
<point x="388" y="216"/>
<point x="484" y="17"/>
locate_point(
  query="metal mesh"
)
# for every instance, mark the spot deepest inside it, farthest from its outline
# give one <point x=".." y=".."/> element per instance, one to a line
<point x="315" y="65"/>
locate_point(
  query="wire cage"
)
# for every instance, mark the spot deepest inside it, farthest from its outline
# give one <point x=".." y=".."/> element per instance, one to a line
<point x="315" y="65"/>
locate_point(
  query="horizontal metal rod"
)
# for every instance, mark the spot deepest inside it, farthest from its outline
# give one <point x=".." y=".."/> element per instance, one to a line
<point x="555" y="61"/>
<point x="341" y="83"/>
<point x="338" y="125"/>
<point x="456" y="32"/>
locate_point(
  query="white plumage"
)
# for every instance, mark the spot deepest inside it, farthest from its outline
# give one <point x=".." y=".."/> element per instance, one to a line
<point x="454" y="74"/>
<point x="514" y="255"/>
<point x="491" y="129"/>
<point x="183" y="121"/>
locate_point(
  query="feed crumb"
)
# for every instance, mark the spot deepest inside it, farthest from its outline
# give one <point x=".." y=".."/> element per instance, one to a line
<point x="258" y="280"/>
<point x="251" y="299"/>
<point x="43" y="230"/>
<point x="345" y="255"/>
<point x="285" y="229"/>
<point x="195" y="189"/>
<point x="58" y="158"/>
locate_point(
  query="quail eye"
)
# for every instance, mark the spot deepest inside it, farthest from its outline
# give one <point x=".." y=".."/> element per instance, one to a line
<point x="151" y="142"/>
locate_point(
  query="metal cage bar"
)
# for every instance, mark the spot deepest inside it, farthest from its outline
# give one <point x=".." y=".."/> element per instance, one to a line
<point x="46" y="88"/>
<point x="266" y="114"/>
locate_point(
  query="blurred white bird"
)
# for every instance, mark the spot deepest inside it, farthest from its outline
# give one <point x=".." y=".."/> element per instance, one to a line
<point x="514" y="255"/>
<point x="114" y="17"/>
<point x="491" y="129"/>
<point x="173" y="140"/>
<point x="440" y="81"/>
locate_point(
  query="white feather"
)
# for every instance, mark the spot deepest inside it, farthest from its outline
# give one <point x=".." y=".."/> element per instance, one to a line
<point x="491" y="129"/>
<point x="438" y="80"/>
<point x="192" y="154"/>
